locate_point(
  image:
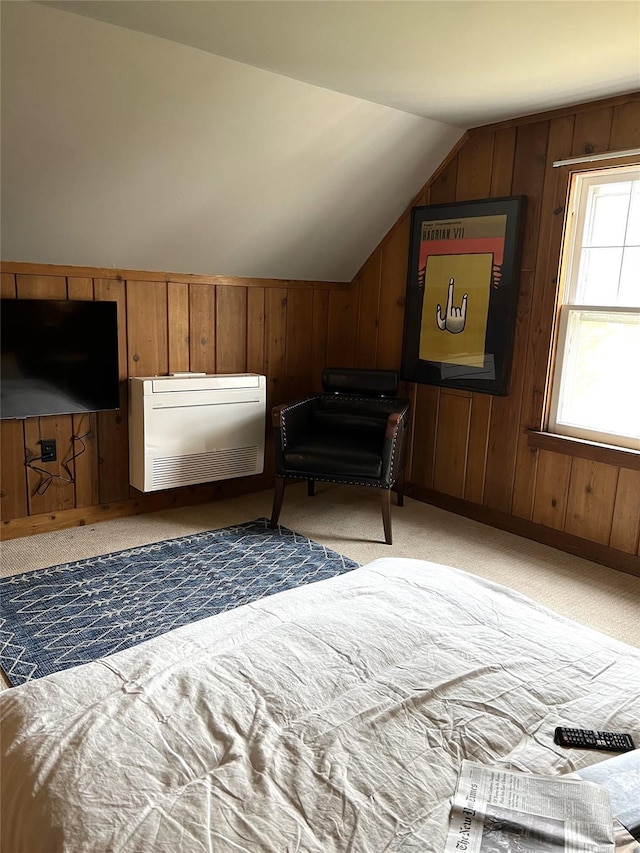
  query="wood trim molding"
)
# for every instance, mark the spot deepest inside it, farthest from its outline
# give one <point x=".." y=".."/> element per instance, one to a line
<point x="603" y="554"/>
<point x="26" y="268"/>
<point x="607" y="453"/>
<point x="434" y="177"/>
<point x="154" y="502"/>
<point x="572" y="109"/>
<point x="63" y="519"/>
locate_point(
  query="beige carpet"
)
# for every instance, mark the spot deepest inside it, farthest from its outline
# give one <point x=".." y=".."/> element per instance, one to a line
<point x="349" y="521"/>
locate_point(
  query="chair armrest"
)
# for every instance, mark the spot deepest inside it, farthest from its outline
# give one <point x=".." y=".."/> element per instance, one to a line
<point x="395" y="444"/>
<point x="394" y="424"/>
<point x="290" y="420"/>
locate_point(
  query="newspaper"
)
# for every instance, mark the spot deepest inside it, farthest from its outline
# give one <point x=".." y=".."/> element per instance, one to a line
<point x="500" y="811"/>
<point x="620" y="775"/>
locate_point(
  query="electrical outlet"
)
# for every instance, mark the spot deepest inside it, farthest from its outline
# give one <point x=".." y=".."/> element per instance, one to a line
<point x="49" y="453"/>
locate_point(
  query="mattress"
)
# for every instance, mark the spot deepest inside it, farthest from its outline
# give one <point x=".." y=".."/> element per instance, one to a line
<point x="331" y="717"/>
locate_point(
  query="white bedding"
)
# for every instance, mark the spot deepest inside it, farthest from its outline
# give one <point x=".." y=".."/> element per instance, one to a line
<point x="332" y="717"/>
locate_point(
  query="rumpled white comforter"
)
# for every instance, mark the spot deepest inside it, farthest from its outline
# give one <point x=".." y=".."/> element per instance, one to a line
<point x="332" y="717"/>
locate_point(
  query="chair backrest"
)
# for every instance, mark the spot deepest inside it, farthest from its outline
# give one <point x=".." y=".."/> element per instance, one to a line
<point x="359" y="381"/>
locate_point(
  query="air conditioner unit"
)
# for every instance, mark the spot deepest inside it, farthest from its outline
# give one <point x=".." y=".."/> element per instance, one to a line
<point x="195" y="428"/>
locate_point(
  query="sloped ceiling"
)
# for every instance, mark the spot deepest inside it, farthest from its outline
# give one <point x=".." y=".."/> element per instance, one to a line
<point x="277" y="140"/>
<point x="463" y="62"/>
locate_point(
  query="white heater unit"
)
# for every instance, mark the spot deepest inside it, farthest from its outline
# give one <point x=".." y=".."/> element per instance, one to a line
<point x="195" y="428"/>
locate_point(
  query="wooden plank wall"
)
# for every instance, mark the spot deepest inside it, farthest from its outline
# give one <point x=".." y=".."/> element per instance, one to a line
<point x="470" y="452"/>
<point x="288" y="330"/>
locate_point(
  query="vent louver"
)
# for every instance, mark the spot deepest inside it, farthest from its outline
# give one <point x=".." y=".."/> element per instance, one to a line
<point x="171" y="471"/>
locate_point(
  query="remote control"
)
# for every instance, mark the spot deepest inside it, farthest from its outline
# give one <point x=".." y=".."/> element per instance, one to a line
<point x="589" y="739"/>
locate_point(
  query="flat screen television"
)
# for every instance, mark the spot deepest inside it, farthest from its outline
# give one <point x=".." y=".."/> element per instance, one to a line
<point x="58" y="357"/>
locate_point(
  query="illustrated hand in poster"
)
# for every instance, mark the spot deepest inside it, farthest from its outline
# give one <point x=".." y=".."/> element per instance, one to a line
<point x="454" y="319"/>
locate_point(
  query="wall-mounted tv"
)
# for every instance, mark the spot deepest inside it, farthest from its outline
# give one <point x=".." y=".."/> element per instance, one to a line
<point x="58" y="357"/>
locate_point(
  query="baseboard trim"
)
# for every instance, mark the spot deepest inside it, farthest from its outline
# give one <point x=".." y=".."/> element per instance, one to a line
<point x="16" y="528"/>
<point x="594" y="551"/>
<point x="192" y="495"/>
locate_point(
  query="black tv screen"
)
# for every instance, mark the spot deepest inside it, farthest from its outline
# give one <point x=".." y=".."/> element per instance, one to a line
<point x="58" y="357"/>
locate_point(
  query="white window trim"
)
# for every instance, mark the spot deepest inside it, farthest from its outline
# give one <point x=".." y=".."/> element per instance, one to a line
<point x="573" y="230"/>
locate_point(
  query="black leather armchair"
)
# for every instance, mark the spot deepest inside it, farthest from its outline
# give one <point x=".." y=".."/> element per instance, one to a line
<point x="353" y="433"/>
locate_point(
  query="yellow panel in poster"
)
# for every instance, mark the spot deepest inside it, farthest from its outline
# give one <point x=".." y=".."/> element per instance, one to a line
<point x="455" y="308"/>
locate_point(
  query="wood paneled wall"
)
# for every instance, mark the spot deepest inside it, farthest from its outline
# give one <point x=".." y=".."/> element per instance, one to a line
<point x="472" y="452"/>
<point x="288" y="330"/>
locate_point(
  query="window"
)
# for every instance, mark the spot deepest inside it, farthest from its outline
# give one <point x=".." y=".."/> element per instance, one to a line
<point x="596" y="382"/>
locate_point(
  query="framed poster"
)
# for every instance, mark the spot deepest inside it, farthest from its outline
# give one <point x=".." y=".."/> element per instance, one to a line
<point x="462" y="294"/>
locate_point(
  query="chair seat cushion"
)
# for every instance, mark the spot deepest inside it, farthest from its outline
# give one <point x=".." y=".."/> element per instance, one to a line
<point x="343" y="456"/>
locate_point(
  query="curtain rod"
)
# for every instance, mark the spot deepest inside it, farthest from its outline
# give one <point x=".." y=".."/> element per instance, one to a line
<point x="592" y="158"/>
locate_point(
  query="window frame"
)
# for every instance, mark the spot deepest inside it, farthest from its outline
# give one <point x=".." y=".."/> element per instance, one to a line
<point x="579" y="183"/>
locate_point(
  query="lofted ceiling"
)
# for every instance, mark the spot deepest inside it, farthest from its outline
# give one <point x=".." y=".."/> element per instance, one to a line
<point x="462" y="62"/>
<point x="268" y="139"/>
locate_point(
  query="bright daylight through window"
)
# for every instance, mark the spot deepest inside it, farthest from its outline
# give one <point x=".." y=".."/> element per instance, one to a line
<point x="596" y="383"/>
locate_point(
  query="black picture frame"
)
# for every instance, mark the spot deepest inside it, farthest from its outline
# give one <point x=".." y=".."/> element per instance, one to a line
<point x="462" y="294"/>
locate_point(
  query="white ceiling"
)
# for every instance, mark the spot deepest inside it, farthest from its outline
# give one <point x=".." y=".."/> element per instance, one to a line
<point x="123" y="149"/>
<point x="463" y="62"/>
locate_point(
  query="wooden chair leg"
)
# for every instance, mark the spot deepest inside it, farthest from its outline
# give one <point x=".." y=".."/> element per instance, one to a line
<point x="400" y="490"/>
<point x="311" y="488"/>
<point x="386" y="514"/>
<point x="278" y="497"/>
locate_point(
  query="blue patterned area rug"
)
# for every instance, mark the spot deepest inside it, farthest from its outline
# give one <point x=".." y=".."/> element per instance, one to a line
<point x="66" y="615"/>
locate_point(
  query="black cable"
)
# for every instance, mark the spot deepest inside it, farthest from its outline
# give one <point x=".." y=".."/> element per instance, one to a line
<point x="74" y="456"/>
<point x="44" y="482"/>
<point x="46" y="477"/>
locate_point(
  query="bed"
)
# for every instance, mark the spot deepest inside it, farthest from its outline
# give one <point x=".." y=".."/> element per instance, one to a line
<point x="330" y="717"/>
